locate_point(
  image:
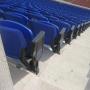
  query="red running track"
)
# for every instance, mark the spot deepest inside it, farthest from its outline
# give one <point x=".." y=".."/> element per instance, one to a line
<point x="85" y="3"/>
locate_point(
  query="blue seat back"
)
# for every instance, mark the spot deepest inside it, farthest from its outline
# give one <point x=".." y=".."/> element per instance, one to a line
<point x="16" y="17"/>
<point x="30" y="14"/>
<point x="28" y="35"/>
<point x="51" y="30"/>
<point x="36" y="26"/>
<point x="13" y="41"/>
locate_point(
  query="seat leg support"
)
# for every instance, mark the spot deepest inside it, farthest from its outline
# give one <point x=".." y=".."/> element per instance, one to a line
<point x="68" y="37"/>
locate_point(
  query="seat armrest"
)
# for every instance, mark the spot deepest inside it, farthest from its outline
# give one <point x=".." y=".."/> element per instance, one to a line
<point x="37" y="45"/>
<point x="31" y="55"/>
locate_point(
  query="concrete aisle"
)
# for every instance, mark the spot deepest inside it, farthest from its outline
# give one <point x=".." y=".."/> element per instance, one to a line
<point x="68" y="71"/>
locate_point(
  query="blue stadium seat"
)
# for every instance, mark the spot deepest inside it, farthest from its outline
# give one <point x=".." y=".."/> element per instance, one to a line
<point x="62" y="24"/>
<point x="23" y="47"/>
<point x="30" y="15"/>
<point x="28" y="24"/>
<point x="56" y="8"/>
<point x="52" y="35"/>
<point x="13" y="41"/>
<point x="53" y="12"/>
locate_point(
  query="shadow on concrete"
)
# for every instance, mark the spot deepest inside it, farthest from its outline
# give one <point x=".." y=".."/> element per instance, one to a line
<point x="17" y="74"/>
<point x="48" y="53"/>
<point x="88" y="83"/>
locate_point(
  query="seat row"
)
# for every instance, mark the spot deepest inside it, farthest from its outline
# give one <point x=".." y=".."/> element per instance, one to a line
<point x="27" y="25"/>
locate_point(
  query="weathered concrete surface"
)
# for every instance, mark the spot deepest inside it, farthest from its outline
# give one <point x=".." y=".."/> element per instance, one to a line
<point x="68" y="71"/>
